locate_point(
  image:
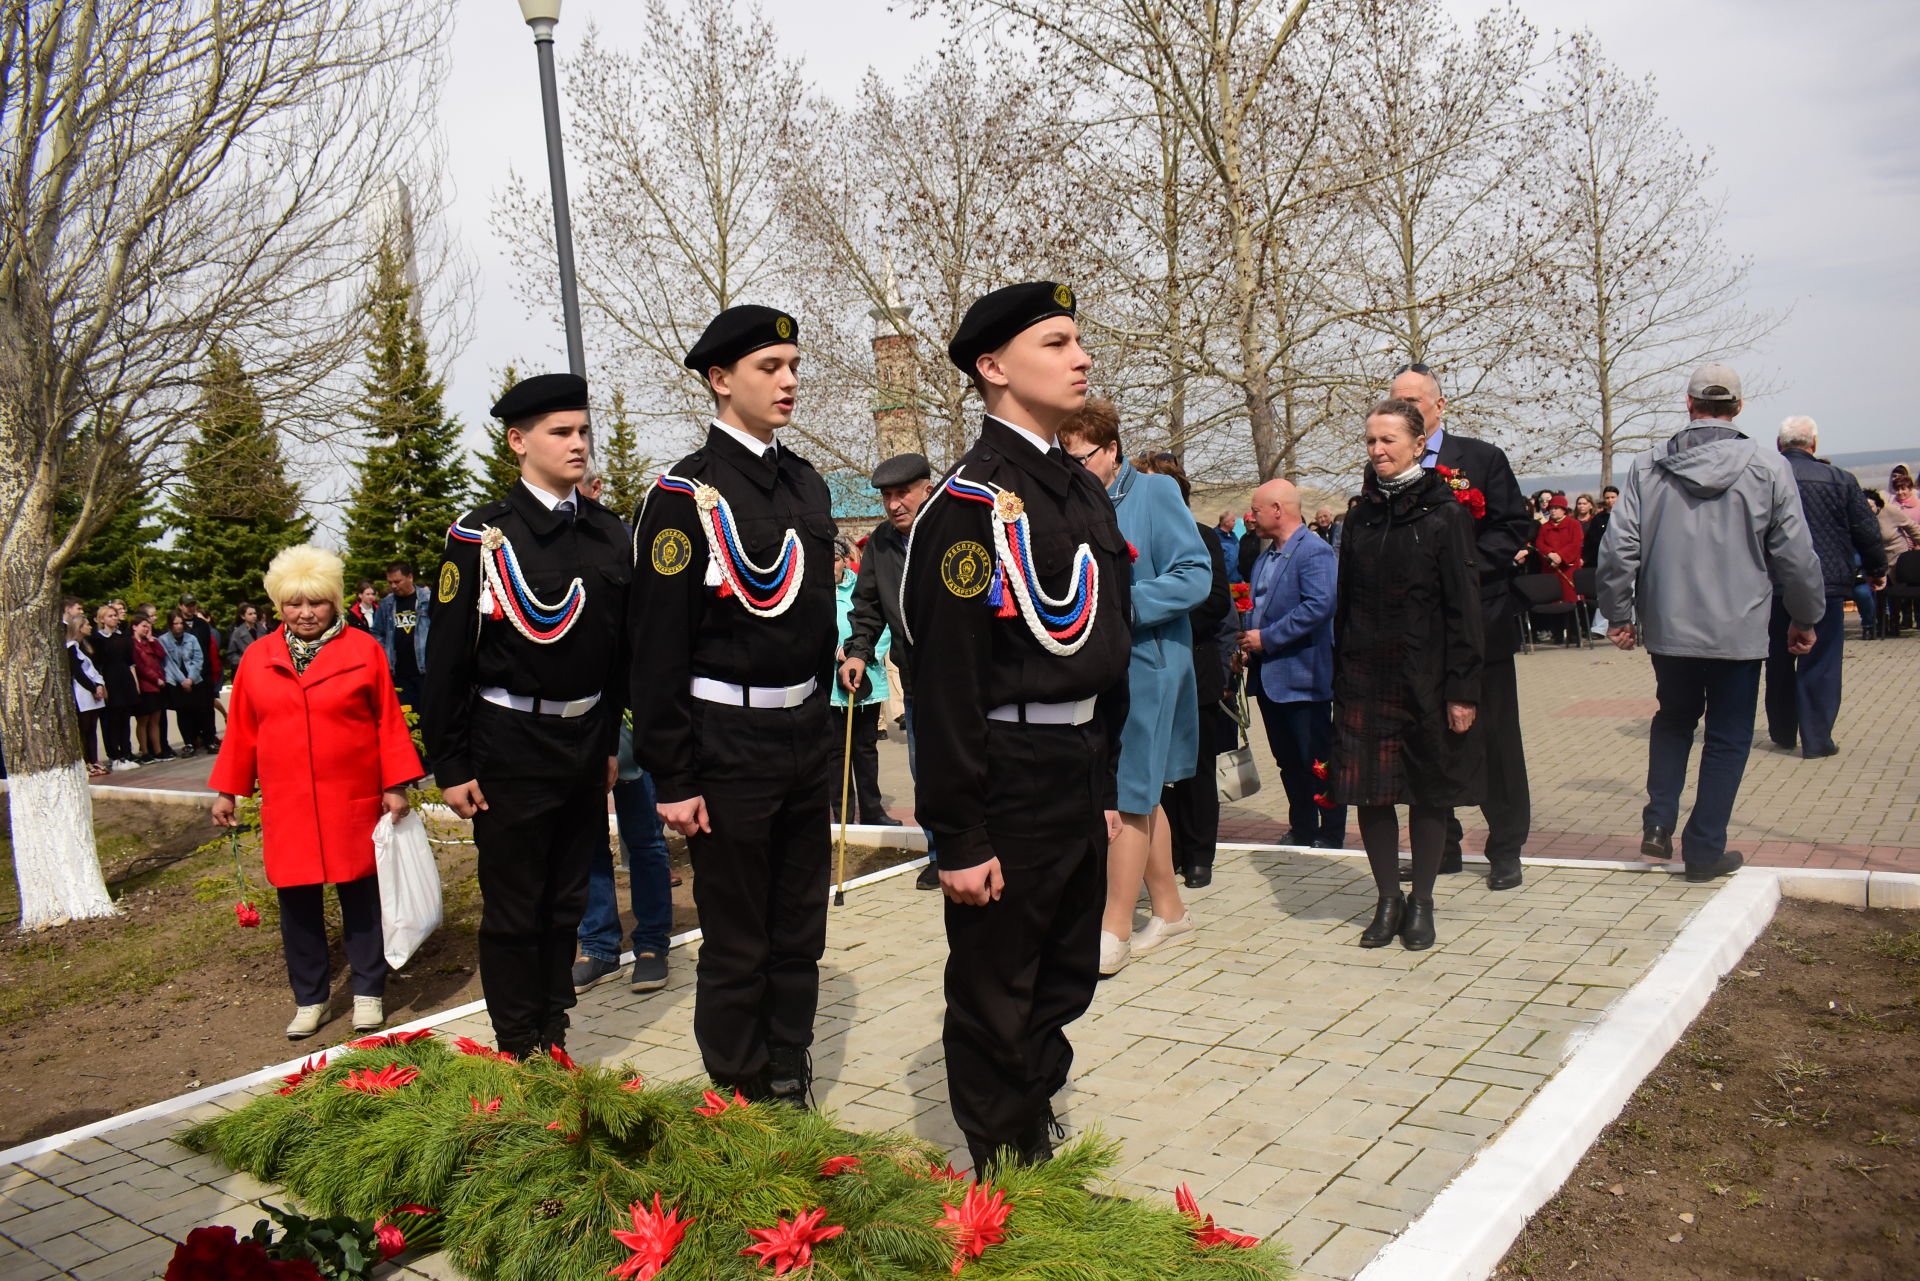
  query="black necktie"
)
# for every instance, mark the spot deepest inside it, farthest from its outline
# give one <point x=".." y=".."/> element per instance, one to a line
<point x="565" y="508"/>
<point x="1058" y="454"/>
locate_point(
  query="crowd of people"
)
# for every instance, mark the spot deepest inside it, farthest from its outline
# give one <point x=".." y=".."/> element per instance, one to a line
<point x="1071" y="647"/>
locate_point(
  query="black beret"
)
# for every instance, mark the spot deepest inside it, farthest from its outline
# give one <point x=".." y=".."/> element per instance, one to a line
<point x="994" y="320"/>
<point x="901" y="469"/>
<point x="541" y="394"/>
<point x="736" y="332"/>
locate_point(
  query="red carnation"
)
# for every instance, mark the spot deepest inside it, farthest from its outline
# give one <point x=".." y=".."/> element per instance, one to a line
<point x="790" y="1245"/>
<point x="391" y="1240"/>
<point x="1324" y="801"/>
<point x="1476" y="502"/>
<point x="1204" y="1233"/>
<point x="1133" y="553"/>
<point x="390" y="1077"/>
<point x="1320" y="770"/>
<point x="479" y="1107"/>
<point x="976" y="1223"/>
<point x="836" y="1164"/>
<point x="654" y="1237"/>
<point x="306" y="1069"/>
<point x="248" y="917"/>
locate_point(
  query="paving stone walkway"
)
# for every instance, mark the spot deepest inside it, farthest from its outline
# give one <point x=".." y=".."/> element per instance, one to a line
<point x="1301" y="1085"/>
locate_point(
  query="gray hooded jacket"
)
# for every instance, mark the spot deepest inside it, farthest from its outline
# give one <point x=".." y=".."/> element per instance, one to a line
<point x="1704" y="528"/>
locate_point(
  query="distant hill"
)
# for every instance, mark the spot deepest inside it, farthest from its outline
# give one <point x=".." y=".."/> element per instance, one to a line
<point x="1870" y="468"/>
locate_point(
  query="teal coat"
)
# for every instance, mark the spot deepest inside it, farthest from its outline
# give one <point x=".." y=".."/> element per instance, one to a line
<point x="1171" y="575"/>
<point x="877" y="669"/>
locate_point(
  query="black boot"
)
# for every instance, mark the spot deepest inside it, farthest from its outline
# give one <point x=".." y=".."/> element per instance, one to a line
<point x="790" y="1075"/>
<point x="1386" y="922"/>
<point x="1504" y="874"/>
<point x="1416" y="930"/>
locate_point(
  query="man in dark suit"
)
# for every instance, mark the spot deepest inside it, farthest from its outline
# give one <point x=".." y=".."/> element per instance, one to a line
<point x="1501" y="534"/>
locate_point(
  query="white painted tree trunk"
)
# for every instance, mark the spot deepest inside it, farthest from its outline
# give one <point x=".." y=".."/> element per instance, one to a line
<point x="53" y="852"/>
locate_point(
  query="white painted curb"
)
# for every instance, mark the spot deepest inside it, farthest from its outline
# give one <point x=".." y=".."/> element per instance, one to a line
<point x="1468" y="1228"/>
<point x="182" y="1102"/>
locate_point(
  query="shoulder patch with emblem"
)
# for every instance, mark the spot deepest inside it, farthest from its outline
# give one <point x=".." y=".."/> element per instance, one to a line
<point x="449" y="581"/>
<point x="672" y="551"/>
<point x="966" y="569"/>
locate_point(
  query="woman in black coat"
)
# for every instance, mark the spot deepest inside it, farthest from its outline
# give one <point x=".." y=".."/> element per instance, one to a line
<point x="1408" y="647"/>
<point x="1192" y="805"/>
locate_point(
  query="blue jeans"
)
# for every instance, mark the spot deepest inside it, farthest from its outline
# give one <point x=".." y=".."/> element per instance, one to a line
<point x="648" y="879"/>
<point x="913" y="770"/>
<point x="1725" y="690"/>
<point x="1803" y="691"/>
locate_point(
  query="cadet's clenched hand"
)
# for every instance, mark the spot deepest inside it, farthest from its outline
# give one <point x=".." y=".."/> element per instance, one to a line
<point x="976" y="886"/>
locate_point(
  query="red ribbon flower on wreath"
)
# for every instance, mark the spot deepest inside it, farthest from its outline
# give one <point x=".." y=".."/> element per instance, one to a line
<point x="838" y="1165"/>
<point x="467" y="1045"/>
<point x="1204" y="1233"/>
<point x="716" y="1103"/>
<point x="655" y="1236"/>
<point x="391" y="1077"/>
<point x="788" y="1246"/>
<point x="1463" y="491"/>
<point x="976" y="1223"/>
<point x="306" y="1069"/>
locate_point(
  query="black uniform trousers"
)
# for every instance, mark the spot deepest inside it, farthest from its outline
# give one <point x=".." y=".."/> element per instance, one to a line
<point x="1022" y="968"/>
<point x="759" y="881"/>
<point x="1508" y="807"/>
<point x="536" y="841"/>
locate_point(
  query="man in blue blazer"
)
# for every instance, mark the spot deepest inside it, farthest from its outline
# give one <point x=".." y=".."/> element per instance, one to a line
<point x="1288" y="646"/>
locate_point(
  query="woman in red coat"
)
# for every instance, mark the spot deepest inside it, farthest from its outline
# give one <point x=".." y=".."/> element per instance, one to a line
<point x="1558" y="544"/>
<point x="314" y="721"/>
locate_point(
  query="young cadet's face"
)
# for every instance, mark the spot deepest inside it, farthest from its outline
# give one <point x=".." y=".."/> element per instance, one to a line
<point x="553" y="448"/>
<point x="1044" y="366"/>
<point x="760" y="388"/>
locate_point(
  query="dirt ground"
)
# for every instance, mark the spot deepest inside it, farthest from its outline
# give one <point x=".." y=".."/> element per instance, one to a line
<point x="99" y="1017"/>
<point x="1779" y="1140"/>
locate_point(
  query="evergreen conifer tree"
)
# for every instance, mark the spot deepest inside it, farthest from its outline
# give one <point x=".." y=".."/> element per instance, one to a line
<point x="237" y="508"/>
<point x="123" y="558"/>
<point x="413" y="480"/>
<point x="499" y="466"/>
<point x="621" y="464"/>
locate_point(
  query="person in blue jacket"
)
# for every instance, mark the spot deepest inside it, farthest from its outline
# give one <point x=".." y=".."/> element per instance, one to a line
<point x="1172" y="573"/>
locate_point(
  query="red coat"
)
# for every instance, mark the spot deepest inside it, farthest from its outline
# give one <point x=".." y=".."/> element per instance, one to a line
<point x="322" y="745"/>
<point x="1566" y="539"/>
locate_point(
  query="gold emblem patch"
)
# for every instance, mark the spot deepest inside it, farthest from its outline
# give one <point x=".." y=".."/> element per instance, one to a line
<point x="672" y="551"/>
<point x="449" y="580"/>
<point x="783" y="327"/>
<point x="966" y="568"/>
<point x="1063" y="295"/>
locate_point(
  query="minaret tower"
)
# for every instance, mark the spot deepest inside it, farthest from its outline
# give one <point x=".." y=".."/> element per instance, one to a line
<point x="899" y="426"/>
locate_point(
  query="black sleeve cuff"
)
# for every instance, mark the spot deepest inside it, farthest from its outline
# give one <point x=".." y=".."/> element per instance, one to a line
<point x="957" y="851"/>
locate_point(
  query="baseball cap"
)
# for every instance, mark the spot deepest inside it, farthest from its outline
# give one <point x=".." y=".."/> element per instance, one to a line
<point x="1714" y="382"/>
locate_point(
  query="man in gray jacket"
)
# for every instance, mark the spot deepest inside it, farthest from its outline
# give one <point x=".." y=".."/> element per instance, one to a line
<point x="1706" y="526"/>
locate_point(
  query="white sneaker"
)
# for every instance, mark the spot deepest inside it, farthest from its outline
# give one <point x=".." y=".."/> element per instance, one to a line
<point x="1115" y="952"/>
<point x="122" y="766"/>
<point x="1156" y="933"/>
<point x="368" y="1013"/>
<point x="306" y="1021"/>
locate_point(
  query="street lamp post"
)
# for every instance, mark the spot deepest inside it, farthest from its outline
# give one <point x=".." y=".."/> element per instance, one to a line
<point x="541" y="15"/>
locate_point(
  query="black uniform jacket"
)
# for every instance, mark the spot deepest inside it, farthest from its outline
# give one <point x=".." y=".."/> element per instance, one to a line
<point x="467" y="651"/>
<point x="876" y="602"/>
<point x="683" y="628"/>
<point x="1503" y="531"/>
<point x="967" y="661"/>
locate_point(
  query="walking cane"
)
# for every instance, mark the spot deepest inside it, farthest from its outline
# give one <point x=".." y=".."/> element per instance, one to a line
<point x="846" y="778"/>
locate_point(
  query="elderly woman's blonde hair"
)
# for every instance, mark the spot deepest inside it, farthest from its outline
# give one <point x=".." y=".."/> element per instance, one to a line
<point x="309" y="573"/>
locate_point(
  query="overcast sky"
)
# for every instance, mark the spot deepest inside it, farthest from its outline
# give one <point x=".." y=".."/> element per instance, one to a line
<point x="1810" y="111"/>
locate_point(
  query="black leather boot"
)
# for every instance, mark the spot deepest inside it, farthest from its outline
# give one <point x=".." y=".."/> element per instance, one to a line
<point x="790" y="1075"/>
<point x="1416" y="930"/>
<point x="1504" y="874"/>
<point x="1386" y="922"/>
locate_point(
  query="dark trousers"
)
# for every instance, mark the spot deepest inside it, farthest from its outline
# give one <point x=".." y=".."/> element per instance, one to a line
<point x="535" y="842"/>
<point x="90" y="736"/>
<point x="1724" y="690"/>
<point x="186" y="713"/>
<point x="1020" y="969"/>
<point x="116" y="727"/>
<point x="413" y="697"/>
<point x="1803" y="690"/>
<point x="1508" y="807"/>
<point x="1300" y="734"/>
<point x="202" y="697"/>
<point x="760" y="882"/>
<point x="865" y="791"/>
<point x="303" y="933"/>
<point x="1192" y="805"/>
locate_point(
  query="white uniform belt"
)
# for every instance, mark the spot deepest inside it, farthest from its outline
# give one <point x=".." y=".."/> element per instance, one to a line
<point x="539" y="706"/>
<point x="754" y="695"/>
<point x="1044" y="713"/>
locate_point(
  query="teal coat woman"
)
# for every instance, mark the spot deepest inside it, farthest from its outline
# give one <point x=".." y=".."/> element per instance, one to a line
<point x="1172" y="573"/>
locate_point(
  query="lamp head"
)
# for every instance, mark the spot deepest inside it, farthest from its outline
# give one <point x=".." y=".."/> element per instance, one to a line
<point x="540" y="14"/>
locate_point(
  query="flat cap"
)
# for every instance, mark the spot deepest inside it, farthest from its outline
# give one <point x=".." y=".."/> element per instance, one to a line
<point x="995" y="319"/>
<point x="901" y="469"/>
<point x="740" y="331"/>
<point x="541" y="394"/>
<point x="1714" y="382"/>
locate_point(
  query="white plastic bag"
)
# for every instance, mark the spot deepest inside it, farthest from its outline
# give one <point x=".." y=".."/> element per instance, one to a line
<point x="409" y="885"/>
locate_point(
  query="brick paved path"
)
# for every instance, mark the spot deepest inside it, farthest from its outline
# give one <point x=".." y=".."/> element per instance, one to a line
<point x="1301" y="1085"/>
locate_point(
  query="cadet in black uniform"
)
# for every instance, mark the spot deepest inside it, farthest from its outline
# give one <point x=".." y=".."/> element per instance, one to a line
<point x="1017" y="602"/>
<point x="525" y="682"/>
<point x="732" y="617"/>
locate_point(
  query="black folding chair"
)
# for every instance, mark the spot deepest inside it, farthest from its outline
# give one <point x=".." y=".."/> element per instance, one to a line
<point x="1903" y="584"/>
<point x="1542" y="594"/>
<point x="1586" y="585"/>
